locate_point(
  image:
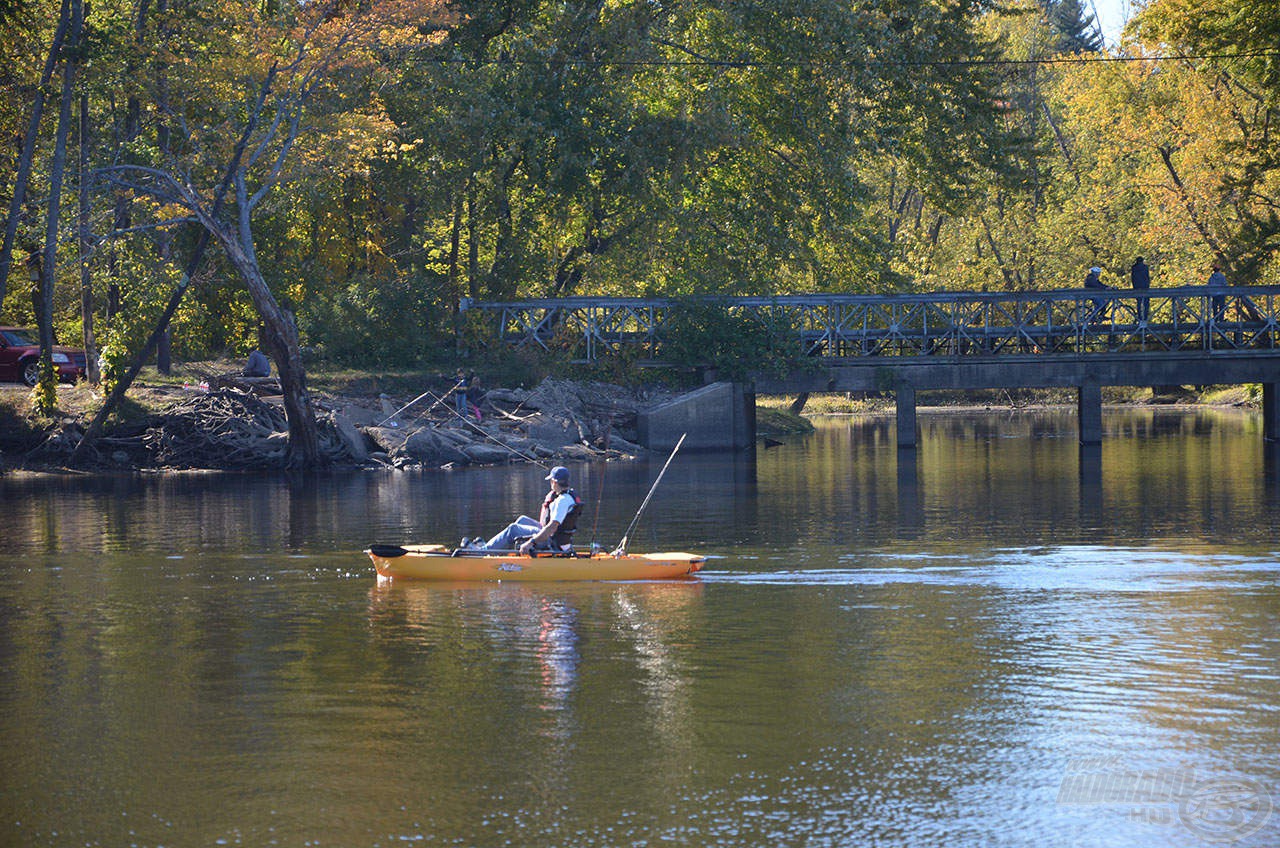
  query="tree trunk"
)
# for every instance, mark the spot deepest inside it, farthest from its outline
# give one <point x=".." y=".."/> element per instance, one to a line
<point x="28" y="149"/>
<point x="797" y="405"/>
<point x="164" y="352"/>
<point x="56" y="171"/>
<point x="501" y="274"/>
<point x="455" y="240"/>
<point x="473" y="243"/>
<point x="279" y="333"/>
<point x="86" y="279"/>
<point x="1009" y="279"/>
<point x="304" y="432"/>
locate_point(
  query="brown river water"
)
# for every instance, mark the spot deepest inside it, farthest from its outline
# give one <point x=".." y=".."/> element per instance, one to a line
<point x="997" y="639"/>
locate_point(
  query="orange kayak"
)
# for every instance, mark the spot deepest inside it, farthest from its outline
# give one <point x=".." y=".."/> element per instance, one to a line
<point x="435" y="562"/>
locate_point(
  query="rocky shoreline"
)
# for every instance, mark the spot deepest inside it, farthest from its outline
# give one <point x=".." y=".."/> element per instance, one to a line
<point x="237" y="424"/>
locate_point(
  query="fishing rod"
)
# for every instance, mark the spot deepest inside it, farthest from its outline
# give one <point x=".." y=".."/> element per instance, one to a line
<point x="621" y="550"/>
<point x="608" y="428"/>
<point x="418" y="398"/>
<point x="490" y="438"/>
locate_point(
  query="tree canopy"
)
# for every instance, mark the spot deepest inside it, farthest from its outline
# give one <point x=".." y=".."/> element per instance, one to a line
<point x="355" y="169"/>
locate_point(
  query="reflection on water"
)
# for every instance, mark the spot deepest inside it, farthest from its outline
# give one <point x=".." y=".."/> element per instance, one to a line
<point x="888" y="647"/>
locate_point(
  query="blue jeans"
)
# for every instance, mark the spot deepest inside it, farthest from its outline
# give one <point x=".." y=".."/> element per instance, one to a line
<point x="523" y="527"/>
<point x="1219" y="306"/>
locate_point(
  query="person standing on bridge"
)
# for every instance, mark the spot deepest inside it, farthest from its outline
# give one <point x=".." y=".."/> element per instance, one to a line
<point x="1094" y="281"/>
<point x="1218" y="282"/>
<point x="1140" y="276"/>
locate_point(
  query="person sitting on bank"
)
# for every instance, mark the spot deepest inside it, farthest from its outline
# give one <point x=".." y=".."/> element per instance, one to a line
<point x="553" y="530"/>
<point x="258" y="364"/>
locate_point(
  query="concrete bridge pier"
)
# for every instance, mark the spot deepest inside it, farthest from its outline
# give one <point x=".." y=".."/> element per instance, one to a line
<point x="718" y="416"/>
<point x="1271" y="412"/>
<point x="906" y="401"/>
<point x="1089" y="413"/>
<point x="910" y="498"/>
<point x="1091" y="514"/>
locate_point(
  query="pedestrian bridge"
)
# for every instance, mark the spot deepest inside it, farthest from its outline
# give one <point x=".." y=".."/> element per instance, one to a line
<point x="1077" y="338"/>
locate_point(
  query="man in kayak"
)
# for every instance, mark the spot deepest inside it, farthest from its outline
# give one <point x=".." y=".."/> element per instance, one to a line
<point x="553" y="529"/>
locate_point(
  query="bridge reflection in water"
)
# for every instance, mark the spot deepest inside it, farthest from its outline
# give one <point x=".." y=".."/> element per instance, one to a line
<point x="956" y="340"/>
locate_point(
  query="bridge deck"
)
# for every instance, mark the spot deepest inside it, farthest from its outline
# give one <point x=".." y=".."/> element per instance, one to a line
<point x="902" y="343"/>
<point x="1066" y="322"/>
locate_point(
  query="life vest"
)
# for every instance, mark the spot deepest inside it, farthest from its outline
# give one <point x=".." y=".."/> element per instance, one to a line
<point x="564" y="533"/>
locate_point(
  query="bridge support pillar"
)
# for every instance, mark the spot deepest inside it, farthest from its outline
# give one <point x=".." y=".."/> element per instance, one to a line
<point x="721" y="416"/>
<point x="906" y="398"/>
<point x="1091" y="516"/>
<point x="1089" y="409"/>
<point x="1271" y="412"/>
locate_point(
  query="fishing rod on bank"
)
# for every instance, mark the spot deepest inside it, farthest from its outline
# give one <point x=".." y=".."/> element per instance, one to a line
<point x="418" y="398"/>
<point x="439" y="399"/>
<point x="621" y="550"/>
<point x="489" y="437"/>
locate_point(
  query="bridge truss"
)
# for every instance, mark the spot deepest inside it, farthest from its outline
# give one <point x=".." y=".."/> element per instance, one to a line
<point x="982" y="324"/>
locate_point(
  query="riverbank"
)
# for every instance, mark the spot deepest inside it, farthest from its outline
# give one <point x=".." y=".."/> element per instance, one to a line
<point x="210" y="418"/>
<point x="205" y="416"/>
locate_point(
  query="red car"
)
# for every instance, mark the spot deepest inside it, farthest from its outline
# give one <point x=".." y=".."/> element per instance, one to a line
<point x="20" y="358"/>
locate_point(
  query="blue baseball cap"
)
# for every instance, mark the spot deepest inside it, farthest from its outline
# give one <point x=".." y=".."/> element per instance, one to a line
<point x="560" y="474"/>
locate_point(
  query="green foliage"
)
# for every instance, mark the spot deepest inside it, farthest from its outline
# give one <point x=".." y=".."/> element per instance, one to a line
<point x="771" y="421"/>
<point x="680" y="148"/>
<point x="44" y="396"/>
<point x="377" y="321"/>
<point x="1077" y="30"/>
<point x="121" y="340"/>
<point x="705" y="331"/>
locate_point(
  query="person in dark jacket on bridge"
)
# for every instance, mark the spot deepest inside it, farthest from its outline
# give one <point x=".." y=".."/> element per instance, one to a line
<point x="1140" y="276"/>
<point x="1094" y="281"/>
<point x="1218" y="282"/>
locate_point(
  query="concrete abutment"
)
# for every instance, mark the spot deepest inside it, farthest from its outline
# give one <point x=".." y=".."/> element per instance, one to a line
<point x="719" y="416"/>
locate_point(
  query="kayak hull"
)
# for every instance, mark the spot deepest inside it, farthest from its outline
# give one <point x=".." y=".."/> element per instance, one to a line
<point x="432" y="562"/>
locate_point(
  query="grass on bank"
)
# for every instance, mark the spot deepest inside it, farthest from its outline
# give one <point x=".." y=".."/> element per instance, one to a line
<point x="863" y="403"/>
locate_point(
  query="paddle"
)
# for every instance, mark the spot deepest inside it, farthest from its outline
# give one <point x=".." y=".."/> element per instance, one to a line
<point x="621" y="550"/>
<point x="393" y="551"/>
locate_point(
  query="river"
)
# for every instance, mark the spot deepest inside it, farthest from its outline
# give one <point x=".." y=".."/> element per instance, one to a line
<point x="996" y="639"/>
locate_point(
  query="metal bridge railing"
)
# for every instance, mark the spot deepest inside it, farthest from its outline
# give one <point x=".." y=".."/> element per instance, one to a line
<point x="1044" y="323"/>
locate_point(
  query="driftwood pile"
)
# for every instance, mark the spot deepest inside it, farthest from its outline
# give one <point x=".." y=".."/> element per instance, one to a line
<point x="232" y="427"/>
<point x="225" y="429"/>
<point x="222" y="429"/>
<point x="559" y="420"/>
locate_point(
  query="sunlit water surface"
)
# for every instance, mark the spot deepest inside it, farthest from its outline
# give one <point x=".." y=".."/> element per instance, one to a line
<point x="998" y="639"/>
